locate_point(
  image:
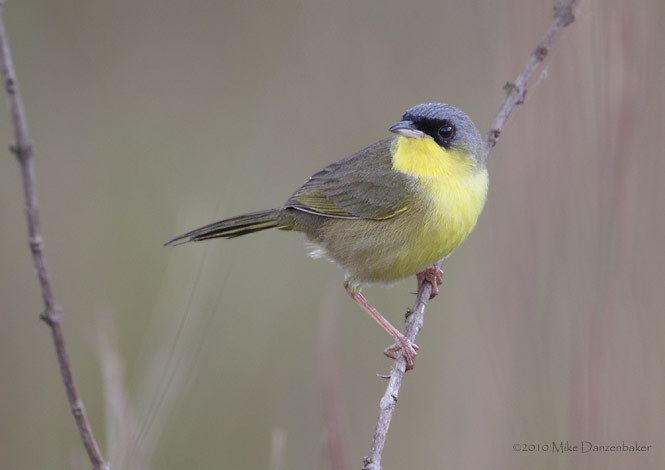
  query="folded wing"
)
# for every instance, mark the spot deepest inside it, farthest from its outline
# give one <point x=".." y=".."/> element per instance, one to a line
<point x="361" y="186"/>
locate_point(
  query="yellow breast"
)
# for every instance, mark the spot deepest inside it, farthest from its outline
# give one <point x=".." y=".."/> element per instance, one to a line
<point x="452" y="190"/>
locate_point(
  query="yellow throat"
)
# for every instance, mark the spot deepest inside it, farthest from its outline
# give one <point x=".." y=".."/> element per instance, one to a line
<point x="453" y="191"/>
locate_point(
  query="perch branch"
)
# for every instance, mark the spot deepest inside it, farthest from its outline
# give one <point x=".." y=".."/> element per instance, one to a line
<point x="52" y="314"/>
<point x="515" y="93"/>
<point x="414" y="322"/>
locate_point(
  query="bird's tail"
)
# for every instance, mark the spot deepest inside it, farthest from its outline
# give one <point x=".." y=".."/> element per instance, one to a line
<point x="233" y="227"/>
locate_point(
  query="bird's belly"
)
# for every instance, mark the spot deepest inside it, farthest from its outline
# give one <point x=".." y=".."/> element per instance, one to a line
<point x="451" y="211"/>
<point x="386" y="251"/>
<point x="420" y="247"/>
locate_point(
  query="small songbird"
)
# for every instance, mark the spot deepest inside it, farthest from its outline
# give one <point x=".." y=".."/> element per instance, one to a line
<point x="388" y="211"/>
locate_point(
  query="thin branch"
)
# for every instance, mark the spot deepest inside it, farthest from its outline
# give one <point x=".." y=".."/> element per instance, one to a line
<point x="516" y="91"/>
<point x="52" y="314"/>
<point x="414" y="323"/>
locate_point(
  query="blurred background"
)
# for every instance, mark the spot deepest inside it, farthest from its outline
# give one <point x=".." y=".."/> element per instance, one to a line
<point x="151" y="118"/>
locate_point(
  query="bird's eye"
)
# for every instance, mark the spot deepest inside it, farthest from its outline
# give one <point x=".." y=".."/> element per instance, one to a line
<point x="447" y="132"/>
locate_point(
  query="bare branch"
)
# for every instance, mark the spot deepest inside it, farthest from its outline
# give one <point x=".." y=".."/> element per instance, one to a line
<point x="515" y="93"/>
<point x="414" y="323"/>
<point x="52" y="314"/>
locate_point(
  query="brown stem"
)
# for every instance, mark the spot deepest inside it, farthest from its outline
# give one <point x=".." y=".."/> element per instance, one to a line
<point x="515" y="93"/>
<point x="52" y="314"/>
<point x="414" y="322"/>
<point x="516" y="90"/>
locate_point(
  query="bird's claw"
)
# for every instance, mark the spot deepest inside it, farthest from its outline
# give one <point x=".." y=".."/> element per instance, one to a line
<point x="408" y="349"/>
<point x="434" y="276"/>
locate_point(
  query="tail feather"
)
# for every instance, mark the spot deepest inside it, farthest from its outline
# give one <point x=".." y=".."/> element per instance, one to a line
<point x="233" y="227"/>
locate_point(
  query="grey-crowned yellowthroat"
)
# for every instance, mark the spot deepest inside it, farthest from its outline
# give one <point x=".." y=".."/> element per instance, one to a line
<point x="388" y="211"/>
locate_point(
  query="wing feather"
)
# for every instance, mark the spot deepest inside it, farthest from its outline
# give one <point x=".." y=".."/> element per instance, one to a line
<point x="361" y="186"/>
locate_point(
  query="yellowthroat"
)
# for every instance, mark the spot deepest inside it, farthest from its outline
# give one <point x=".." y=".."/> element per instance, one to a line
<point x="388" y="211"/>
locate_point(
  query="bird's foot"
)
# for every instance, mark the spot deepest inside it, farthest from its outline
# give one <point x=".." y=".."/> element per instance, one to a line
<point x="408" y="349"/>
<point x="434" y="276"/>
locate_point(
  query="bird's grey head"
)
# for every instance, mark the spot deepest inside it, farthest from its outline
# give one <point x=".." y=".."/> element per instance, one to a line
<point x="449" y="126"/>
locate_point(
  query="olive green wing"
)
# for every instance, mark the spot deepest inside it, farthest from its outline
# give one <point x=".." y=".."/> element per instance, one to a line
<point x="361" y="186"/>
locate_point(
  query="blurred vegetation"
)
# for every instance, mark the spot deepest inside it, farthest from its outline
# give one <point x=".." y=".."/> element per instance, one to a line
<point x="150" y="118"/>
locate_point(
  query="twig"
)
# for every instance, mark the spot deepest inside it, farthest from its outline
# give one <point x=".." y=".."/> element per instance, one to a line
<point x="515" y="93"/>
<point x="52" y="314"/>
<point x="414" y="322"/>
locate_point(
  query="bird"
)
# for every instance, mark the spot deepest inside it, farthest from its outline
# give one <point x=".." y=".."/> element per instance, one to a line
<point x="388" y="211"/>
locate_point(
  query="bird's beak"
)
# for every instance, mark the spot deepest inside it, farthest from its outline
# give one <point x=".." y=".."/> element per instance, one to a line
<point x="406" y="129"/>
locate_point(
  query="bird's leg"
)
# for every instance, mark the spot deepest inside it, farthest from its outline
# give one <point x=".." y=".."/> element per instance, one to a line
<point x="434" y="276"/>
<point x="401" y="342"/>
